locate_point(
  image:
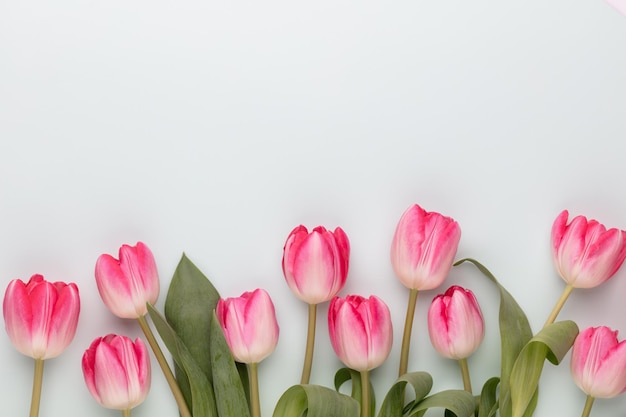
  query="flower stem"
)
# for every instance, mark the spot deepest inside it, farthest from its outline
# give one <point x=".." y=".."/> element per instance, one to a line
<point x="310" y="344"/>
<point x="588" y="404"/>
<point x="254" y="390"/>
<point x="408" y="328"/>
<point x="169" y="376"/>
<point x="37" y="382"/>
<point x="365" y="394"/>
<point x="467" y="384"/>
<point x="126" y="412"/>
<point x="559" y="304"/>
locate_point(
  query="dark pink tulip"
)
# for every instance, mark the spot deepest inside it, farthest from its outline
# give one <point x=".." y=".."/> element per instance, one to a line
<point x="598" y="362"/>
<point x="315" y="264"/>
<point x="41" y="317"/>
<point x="360" y="331"/>
<point x="249" y="325"/>
<point x="128" y="283"/>
<point x="455" y="323"/>
<point x="423" y="248"/>
<point x="117" y="371"/>
<point x="584" y="252"/>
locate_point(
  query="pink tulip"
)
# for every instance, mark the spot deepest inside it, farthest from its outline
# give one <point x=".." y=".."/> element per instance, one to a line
<point x="455" y="323"/>
<point x="584" y="252"/>
<point x="117" y="371"/>
<point x="598" y="362"/>
<point x="619" y="5"/>
<point x="315" y="264"/>
<point x="41" y="317"/>
<point x="127" y="284"/>
<point x="360" y="331"/>
<point x="249" y="325"/>
<point x="423" y="248"/>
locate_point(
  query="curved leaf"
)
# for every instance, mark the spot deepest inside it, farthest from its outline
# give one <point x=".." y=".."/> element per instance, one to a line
<point x="315" y="401"/>
<point x="344" y="375"/>
<point x="551" y="343"/>
<point x="488" y="402"/>
<point x="393" y="405"/>
<point x="460" y="403"/>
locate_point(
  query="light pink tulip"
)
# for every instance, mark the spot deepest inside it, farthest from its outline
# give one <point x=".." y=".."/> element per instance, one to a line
<point x="41" y="317"/>
<point x="619" y="5"/>
<point x="249" y="325"/>
<point x="315" y="264"/>
<point x="117" y="371"/>
<point x="455" y="323"/>
<point x="423" y="248"/>
<point x="584" y="252"/>
<point x="598" y="362"/>
<point x="128" y="283"/>
<point x="360" y="331"/>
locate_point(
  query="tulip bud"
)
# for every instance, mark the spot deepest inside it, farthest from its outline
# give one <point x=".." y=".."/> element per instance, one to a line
<point x="315" y="264"/>
<point x="117" y="371"/>
<point x="455" y="323"/>
<point x="423" y="248"/>
<point x="360" y="331"/>
<point x="41" y="317"/>
<point x="128" y="283"/>
<point x="249" y="325"/>
<point x="584" y="252"/>
<point x="598" y="362"/>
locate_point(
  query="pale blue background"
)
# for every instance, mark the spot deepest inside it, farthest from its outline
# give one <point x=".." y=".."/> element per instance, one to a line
<point x="214" y="128"/>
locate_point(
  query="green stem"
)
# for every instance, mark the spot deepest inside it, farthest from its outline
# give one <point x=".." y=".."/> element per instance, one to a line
<point x="37" y="382"/>
<point x="408" y="328"/>
<point x="169" y="376"/>
<point x="126" y="412"/>
<point x="467" y="384"/>
<point x="365" y="394"/>
<point x="310" y="344"/>
<point x="254" y="390"/>
<point x="559" y="304"/>
<point x="588" y="404"/>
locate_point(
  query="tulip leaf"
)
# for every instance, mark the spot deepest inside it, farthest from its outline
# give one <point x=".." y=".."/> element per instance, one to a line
<point x="458" y="402"/>
<point x="393" y="405"/>
<point x="515" y="332"/>
<point x="200" y="397"/>
<point x="488" y="403"/>
<point x="230" y="396"/>
<point x="344" y="375"/>
<point x="551" y="343"/>
<point x="315" y="401"/>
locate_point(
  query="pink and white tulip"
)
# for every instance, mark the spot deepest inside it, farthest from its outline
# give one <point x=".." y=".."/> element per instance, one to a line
<point x="423" y="248"/>
<point x="455" y="323"/>
<point x="40" y="316"/>
<point x="598" y="362"/>
<point x="117" y="371"/>
<point x="584" y="252"/>
<point x="249" y="325"/>
<point x="315" y="264"/>
<point x="360" y="331"/>
<point x="126" y="284"/>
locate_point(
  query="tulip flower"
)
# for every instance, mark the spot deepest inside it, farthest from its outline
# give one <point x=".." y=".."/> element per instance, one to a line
<point x="598" y="364"/>
<point x="422" y="253"/>
<point x="126" y="285"/>
<point x="456" y="327"/>
<point x="584" y="253"/>
<point x="40" y="318"/>
<point x="361" y="334"/>
<point x="251" y="331"/>
<point x="619" y="5"/>
<point x="315" y="266"/>
<point x="117" y="372"/>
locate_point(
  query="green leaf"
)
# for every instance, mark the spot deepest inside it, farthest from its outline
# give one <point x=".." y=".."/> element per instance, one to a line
<point x="393" y="405"/>
<point x="551" y="343"/>
<point x="230" y="396"/>
<point x="344" y="375"/>
<point x="515" y="332"/>
<point x="189" y="305"/>
<point x="200" y="397"/>
<point x="460" y="403"/>
<point x="488" y="403"/>
<point x="315" y="401"/>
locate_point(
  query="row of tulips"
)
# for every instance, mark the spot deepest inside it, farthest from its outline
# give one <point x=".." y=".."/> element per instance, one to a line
<point x="41" y="319"/>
